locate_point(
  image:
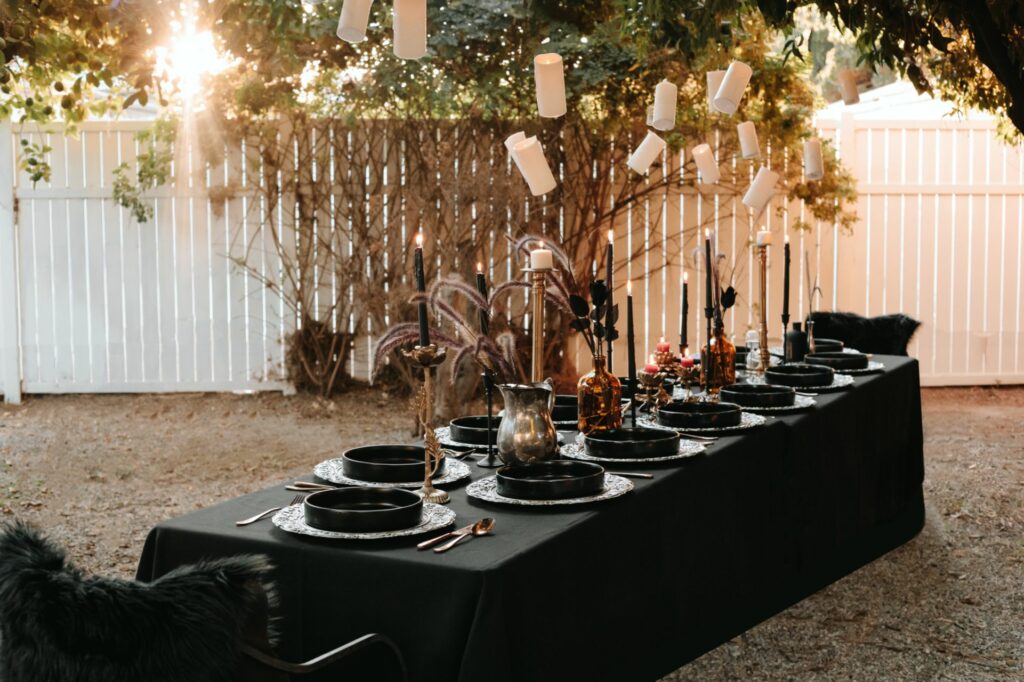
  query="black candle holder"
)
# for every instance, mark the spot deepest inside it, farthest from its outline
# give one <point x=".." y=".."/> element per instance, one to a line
<point x="491" y="460"/>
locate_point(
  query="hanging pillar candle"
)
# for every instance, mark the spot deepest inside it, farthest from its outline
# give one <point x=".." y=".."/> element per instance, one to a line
<point x="761" y="190"/>
<point x="714" y="82"/>
<point x="814" y="164"/>
<point x="749" y="148"/>
<point x="529" y="158"/>
<point x="355" y="14"/>
<point x="665" y="97"/>
<point x="706" y="164"/>
<point x="549" y="74"/>
<point x="512" y="140"/>
<point x="730" y="92"/>
<point x="410" y="21"/>
<point x="847" y="79"/>
<point x="647" y="153"/>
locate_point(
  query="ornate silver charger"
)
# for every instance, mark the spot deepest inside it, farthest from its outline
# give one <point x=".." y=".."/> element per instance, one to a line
<point x="486" y="490"/>
<point x="801" y="402"/>
<point x="331" y="471"/>
<point x="872" y="368"/>
<point x="292" y="520"/>
<point x="577" y="450"/>
<point x="839" y="382"/>
<point x="747" y="421"/>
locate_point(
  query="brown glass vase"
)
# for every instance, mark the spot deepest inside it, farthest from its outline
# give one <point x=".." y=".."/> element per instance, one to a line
<point x="599" y="399"/>
<point x="720" y="364"/>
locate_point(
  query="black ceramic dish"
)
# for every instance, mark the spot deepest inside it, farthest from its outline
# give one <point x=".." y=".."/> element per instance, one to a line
<point x="566" y="408"/>
<point x="557" y="479"/>
<point x="363" y="510"/>
<point x="386" y="463"/>
<point x="759" y="395"/>
<point x="800" y="375"/>
<point x="632" y="443"/>
<point x="473" y="430"/>
<point x="838" y="360"/>
<point x="683" y="415"/>
<point x="828" y="346"/>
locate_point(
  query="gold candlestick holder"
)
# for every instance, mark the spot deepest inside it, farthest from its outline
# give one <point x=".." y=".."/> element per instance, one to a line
<point x="763" y="350"/>
<point x="427" y="358"/>
<point x="653" y="393"/>
<point x="538" y="286"/>
<point x="688" y="376"/>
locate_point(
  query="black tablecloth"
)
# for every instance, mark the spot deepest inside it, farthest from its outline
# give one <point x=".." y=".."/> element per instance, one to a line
<point x="629" y="589"/>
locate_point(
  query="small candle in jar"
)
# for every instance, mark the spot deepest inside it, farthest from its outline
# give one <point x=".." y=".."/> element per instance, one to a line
<point x="663" y="346"/>
<point x="651" y="367"/>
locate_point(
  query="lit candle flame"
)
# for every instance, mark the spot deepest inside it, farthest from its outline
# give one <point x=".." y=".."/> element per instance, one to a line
<point x="629" y="288"/>
<point x="611" y="236"/>
<point x="686" y="277"/>
<point x="662" y="340"/>
<point x="419" y="240"/>
<point x="786" y="238"/>
<point x="707" y="233"/>
<point x="650" y="360"/>
<point x="479" y="267"/>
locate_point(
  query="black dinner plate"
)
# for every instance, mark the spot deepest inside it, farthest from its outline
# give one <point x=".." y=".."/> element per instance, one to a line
<point x="828" y="345"/>
<point x="690" y="415"/>
<point x="838" y="360"/>
<point x="363" y="510"/>
<point x="759" y="395"/>
<point x="566" y="409"/>
<point x="557" y="479"/>
<point x="632" y="443"/>
<point x="387" y="463"/>
<point x="800" y="375"/>
<point x="473" y="430"/>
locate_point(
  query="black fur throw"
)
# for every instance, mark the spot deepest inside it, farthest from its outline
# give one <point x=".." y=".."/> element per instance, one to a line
<point x="886" y="334"/>
<point x="57" y="625"/>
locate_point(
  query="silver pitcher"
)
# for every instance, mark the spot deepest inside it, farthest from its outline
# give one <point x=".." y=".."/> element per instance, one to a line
<point x="526" y="433"/>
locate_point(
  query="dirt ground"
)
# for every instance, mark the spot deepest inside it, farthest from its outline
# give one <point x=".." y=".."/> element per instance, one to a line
<point x="947" y="605"/>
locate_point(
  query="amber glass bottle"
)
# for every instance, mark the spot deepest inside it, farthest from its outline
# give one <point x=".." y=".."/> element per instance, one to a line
<point x="720" y="368"/>
<point x="599" y="396"/>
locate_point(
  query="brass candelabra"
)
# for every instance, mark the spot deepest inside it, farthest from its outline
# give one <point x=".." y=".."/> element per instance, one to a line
<point x="763" y="340"/>
<point x="428" y="358"/>
<point x="538" y="285"/>
<point x="653" y="393"/>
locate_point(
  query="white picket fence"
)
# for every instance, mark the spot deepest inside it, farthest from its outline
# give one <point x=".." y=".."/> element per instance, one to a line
<point x="91" y="301"/>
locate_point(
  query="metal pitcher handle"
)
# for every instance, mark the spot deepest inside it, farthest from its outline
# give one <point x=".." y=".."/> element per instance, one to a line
<point x="550" y="385"/>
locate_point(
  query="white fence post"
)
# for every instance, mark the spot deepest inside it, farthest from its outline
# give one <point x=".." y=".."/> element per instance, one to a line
<point x="10" y="364"/>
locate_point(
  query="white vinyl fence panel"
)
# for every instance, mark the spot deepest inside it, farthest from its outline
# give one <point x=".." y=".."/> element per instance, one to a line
<point x="92" y="301"/>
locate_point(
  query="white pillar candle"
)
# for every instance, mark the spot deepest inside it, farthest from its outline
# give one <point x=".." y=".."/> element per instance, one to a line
<point x="410" y="22"/>
<point x="529" y="158"/>
<point x="814" y="164"/>
<point x="650" y="115"/>
<point x="540" y="259"/>
<point x="761" y="189"/>
<point x="764" y="238"/>
<point x="355" y="14"/>
<point x="714" y="82"/>
<point x="749" y="148"/>
<point x="512" y="140"/>
<point x="730" y="92"/>
<point x="647" y="153"/>
<point x="665" y="97"/>
<point x="549" y="74"/>
<point x="847" y="79"/>
<point x="706" y="164"/>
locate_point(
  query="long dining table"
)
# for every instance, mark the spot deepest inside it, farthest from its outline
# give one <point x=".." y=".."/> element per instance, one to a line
<point x="627" y="589"/>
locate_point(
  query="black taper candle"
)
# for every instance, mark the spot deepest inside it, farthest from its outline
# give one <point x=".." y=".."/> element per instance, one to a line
<point x="421" y="286"/>
<point x="684" y="319"/>
<point x="785" y="289"/>
<point x="481" y="286"/>
<point x="631" y="352"/>
<point x="709" y="308"/>
<point x="609" y="270"/>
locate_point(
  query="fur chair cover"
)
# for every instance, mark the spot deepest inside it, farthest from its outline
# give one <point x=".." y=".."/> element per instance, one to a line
<point x="57" y="625"/>
<point x="886" y="334"/>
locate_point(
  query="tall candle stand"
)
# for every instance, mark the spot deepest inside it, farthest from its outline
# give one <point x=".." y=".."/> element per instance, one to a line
<point x="491" y="460"/>
<point x="538" y="285"/>
<point x="427" y="358"/>
<point x="764" y="352"/>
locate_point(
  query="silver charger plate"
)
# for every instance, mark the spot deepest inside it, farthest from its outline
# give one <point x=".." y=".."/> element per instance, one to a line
<point x="839" y="382"/>
<point x="486" y="490"/>
<point x="748" y="420"/>
<point x="331" y="470"/>
<point x="577" y="450"/>
<point x="444" y="437"/>
<point x="873" y="367"/>
<point x="291" y="520"/>
<point x="778" y="350"/>
<point x="802" y="402"/>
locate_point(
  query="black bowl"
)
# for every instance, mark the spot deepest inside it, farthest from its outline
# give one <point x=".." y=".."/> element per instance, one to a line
<point x="800" y="375"/>
<point x="566" y="408"/>
<point x="473" y="430"/>
<point x="838" y="360"/>
<point x="386" y="463"/>
<point x="828" y="345"/>
<point x="557" y="479"/>
<point x="363" y="510"/>
<point x="684" y="415"/>
<point x="759" y="395"/>
<point x="633" y="443"/>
